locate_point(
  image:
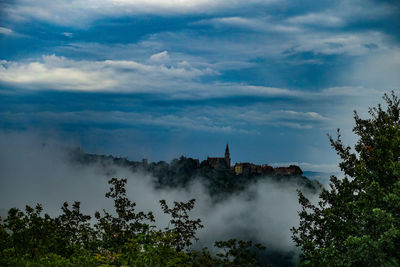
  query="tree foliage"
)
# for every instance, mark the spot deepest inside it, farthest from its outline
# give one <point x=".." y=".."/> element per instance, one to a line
<point x="357" y="221"/>
<point x="184" y="229"/>
<point x="116" y="230"/>
<point x="125" y="237"/>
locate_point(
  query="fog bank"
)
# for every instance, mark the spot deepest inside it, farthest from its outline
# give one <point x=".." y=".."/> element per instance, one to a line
<point x="34" y="170"/>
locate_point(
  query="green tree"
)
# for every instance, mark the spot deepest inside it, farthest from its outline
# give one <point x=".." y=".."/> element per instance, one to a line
<point x="116" y="230"/>
<point x="124" y="238"/>
<point x="184" y="229"/>
<point x="357" y="220"/>
<point x="75" y="230"/>
<point x="237" y="252"/>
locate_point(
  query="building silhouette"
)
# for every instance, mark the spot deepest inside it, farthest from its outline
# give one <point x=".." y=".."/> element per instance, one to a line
<point x="249" y="169"/>
<point x="221" y="163"/>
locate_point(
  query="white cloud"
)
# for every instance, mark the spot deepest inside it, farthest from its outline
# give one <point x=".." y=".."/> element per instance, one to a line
<point x="160" y="57"/>
<point x="191" y="121"/>
<point x="177" y="79"/>
<point x="256" y="24"/>
<point x="309" y="116"/>
<point x="346" y="12"/>
<point x="294" y="125"/>
<point x="79" y="13"/>
<point x="196" y="122"/>
<point x="5" y="31"/>
<point x="256" y="116"/>
<point x="365" y="10"/>
<point x="317" y="19"/>
<point x="350" y="91"/>
<point x="53" y="73"/>
<point x="278" y="45"/>
<point x="59" y="73"/>
<point x="237" y="119"/>
<point x="9" y="32"/>
<point x="340" y="43"/>
<point x="379" y="69"/>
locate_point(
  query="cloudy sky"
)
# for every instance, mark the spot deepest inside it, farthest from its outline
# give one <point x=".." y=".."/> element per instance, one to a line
<point x="164" y="78"/>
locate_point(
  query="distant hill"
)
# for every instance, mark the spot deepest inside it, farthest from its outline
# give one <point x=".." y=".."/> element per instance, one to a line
<point x="321" y="177"/>
<point x="218" y="179"/>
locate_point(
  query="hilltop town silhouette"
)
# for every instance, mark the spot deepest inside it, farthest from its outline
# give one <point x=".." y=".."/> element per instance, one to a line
<point x="191" y="165"/>
<point x="216" y="173"/>
<point x="247" y="168"/>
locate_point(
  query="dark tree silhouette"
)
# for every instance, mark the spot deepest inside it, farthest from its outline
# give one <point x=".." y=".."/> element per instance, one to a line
<point x="357" y="221"/>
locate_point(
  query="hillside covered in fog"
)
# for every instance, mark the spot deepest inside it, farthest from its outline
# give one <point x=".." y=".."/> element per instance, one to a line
<point x="217" y="177"/>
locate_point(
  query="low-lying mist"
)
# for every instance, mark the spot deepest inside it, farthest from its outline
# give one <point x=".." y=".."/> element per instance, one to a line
<point x="34" y="170"/>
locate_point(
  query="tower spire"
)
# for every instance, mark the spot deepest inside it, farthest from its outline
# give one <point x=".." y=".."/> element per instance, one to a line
<point x="227" y="156"/>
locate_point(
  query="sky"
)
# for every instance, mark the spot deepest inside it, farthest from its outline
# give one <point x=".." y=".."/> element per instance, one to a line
<point x="158" y="79"/>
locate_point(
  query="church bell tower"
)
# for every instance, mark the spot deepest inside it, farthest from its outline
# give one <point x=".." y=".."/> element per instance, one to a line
<point x="227" y="156"/>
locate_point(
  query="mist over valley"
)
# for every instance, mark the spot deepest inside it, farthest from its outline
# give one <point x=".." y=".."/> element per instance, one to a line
<point x="262" y="209"/>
